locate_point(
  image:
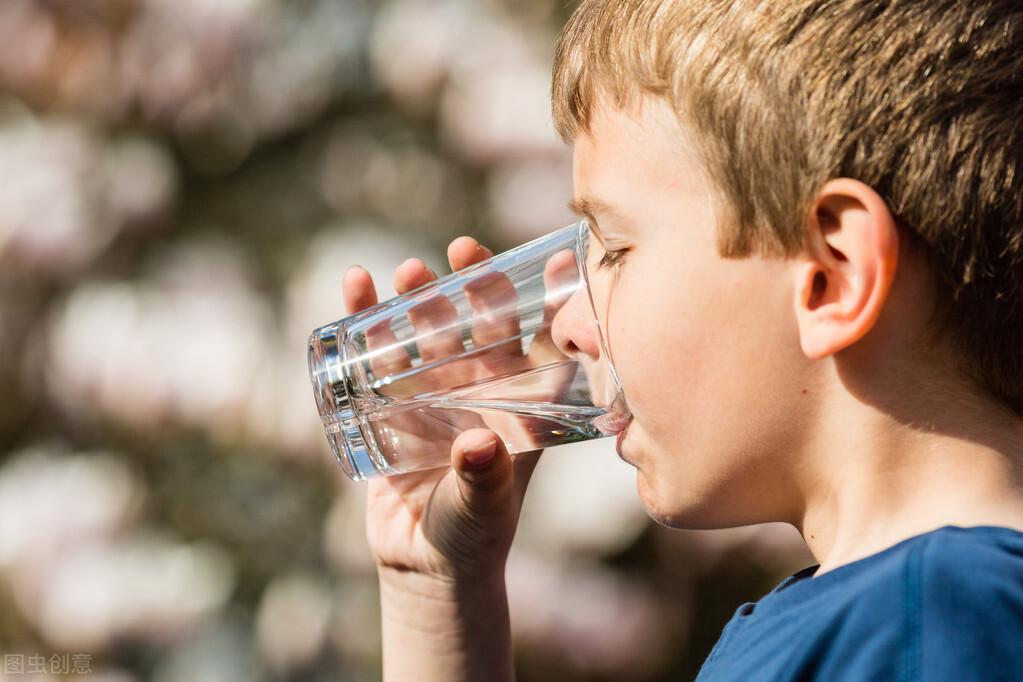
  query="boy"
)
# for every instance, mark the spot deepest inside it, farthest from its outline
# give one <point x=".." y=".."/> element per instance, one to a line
<point x="811" y="213"/>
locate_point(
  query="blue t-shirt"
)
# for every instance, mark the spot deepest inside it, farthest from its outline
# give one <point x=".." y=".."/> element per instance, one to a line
<point x="944" y="605"/>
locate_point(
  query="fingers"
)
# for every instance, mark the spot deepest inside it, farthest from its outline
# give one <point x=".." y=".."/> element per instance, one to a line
<point x="359" y="293"/>
<point x="492" y="297"/>
<point x="466" y="251"/>
<point x="412" y="274"/>
<point x="487" y="474"/>
<point x="496" y="306"/>
<point x="438" y="332"/>
<point x="561" y="280"/>
<point x="484" y="471"/>
<point x="436" y="323"/>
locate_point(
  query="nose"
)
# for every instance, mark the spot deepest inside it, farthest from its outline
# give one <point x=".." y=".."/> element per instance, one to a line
<point x="574" y="331"/>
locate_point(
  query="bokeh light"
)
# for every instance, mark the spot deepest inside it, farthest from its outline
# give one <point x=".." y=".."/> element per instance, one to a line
<point x="182" y="187"/>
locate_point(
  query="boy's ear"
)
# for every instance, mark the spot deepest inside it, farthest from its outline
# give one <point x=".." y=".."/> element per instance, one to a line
<point x="844" y="276"/>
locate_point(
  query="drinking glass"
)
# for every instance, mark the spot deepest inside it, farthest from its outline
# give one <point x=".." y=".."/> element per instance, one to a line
<point x="512" y="344"/>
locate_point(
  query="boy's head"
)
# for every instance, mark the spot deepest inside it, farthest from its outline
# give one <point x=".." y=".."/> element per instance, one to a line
<point x="793" y="181"/>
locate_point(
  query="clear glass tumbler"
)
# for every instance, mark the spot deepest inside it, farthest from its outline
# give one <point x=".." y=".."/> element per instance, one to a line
<point x="487" y="346"/>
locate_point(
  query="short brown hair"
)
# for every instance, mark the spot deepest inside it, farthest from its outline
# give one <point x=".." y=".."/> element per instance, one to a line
<point x="920" y="99"/>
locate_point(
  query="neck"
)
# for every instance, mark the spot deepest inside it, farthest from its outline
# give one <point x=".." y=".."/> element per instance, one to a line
<point x="890" y="474"/>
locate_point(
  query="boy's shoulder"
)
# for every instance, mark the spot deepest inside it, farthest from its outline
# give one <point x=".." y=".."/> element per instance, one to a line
<point x="977" y="561"/>
<point x="947" y="604"/>
<point x="983" y="561"/>
<point x="945" y="575"/>
<point x="973" y="558"/>
<point x="963" y="578"/>
<point x="953" y="601"/>
<point x="942" y="605"/>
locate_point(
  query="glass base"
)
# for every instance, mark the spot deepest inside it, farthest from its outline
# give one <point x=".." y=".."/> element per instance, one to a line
<point x="353" y="453"/>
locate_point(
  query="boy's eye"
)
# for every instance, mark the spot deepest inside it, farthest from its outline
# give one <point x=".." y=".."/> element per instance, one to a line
<point x="611" y="258"/>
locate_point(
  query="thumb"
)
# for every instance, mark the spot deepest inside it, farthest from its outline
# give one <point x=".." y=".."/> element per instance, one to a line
<point x="483" y="469"/>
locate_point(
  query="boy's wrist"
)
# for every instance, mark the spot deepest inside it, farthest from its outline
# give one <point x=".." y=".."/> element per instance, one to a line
<point x="434" y="586"/>
<point x="414" y="597"/>
<point x="444" y="629"/>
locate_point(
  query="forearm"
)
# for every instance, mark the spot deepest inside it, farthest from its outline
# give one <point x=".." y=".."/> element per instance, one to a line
<point x="445" y="631"/>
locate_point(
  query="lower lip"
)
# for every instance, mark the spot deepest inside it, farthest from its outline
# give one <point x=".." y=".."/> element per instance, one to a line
<point x="621" y="437"/>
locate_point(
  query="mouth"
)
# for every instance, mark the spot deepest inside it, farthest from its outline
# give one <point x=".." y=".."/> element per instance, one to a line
<point x="621" y="438"/>
<point x="612" y="424"/>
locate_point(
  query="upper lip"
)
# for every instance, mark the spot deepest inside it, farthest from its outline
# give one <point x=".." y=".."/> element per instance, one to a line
<point x="613" y="425"/>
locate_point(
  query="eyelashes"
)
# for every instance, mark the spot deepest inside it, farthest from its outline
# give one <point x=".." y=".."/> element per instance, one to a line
<point x="611" y="258"/>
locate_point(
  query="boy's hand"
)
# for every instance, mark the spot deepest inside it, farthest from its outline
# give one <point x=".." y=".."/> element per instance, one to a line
<point x="453" y="524"/>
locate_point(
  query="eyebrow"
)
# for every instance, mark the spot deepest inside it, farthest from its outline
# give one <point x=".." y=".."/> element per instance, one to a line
<point x="587" y="207"/>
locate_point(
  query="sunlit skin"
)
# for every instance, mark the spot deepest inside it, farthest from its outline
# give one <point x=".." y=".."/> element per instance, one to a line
<point x="762" y="389"/>
<point x="397" y="522"/>
<point x="769" y="389"/>
<point x="688" y="332"/>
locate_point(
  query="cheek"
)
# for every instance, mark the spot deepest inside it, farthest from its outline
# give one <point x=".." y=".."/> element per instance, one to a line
<point x="648" y="340"/>
<point x="699" y="351"/>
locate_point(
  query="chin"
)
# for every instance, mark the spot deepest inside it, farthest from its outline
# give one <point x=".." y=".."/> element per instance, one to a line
<point x="675" y="509"/>
<point x="655" y="507"/>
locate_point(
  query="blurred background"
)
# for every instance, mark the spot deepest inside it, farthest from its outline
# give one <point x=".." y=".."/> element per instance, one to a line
<point x="182" y="185"/>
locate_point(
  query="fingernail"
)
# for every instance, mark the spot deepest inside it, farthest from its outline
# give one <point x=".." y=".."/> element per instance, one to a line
<point x="422" y="263"/>
<point x="478" y="455"/>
